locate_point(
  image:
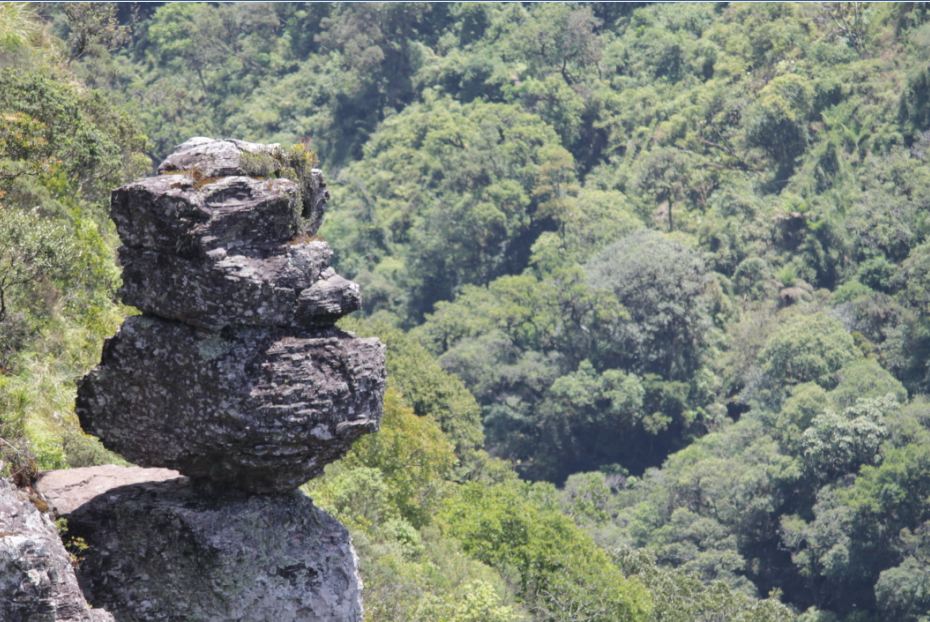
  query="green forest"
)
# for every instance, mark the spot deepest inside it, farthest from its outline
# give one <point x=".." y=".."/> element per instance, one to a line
<point x="654" y="282"/>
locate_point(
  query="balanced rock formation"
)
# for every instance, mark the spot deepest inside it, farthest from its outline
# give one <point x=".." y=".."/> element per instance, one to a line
<point x="235" y="376"/>
<point x="233" y="373"/>
<point x="161" y="550"/>
<point x="37" y="582"/>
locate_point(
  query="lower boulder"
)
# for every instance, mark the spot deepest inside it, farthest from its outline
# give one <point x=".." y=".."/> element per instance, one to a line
<point x="261" y="410"/>
<point x="167" y="551"/>
<point x="37" y="582"/>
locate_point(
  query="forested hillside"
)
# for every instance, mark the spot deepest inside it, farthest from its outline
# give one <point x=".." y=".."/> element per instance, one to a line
<point x="653" y="280"/>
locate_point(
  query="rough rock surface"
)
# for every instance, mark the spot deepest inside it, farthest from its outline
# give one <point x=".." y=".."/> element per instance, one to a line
<point x="258" y="409"/>
<point x="222" y="251"/>
<point x="245" y="288"/>
<point x="328" y="299"/>
<point x="212" y="157"/>
<point x="207" y="158"/>
<point x="176" y="214"/>
<point x="167" y="552"/>
<point x="37" y="582"/>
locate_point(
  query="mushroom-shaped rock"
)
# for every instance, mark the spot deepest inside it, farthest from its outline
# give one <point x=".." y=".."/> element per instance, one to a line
<point x="262" y="410"/>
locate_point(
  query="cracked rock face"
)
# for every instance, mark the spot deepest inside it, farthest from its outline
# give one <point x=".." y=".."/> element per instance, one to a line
<point x="37" y="581"/>
<point x="258" y="409"/>
<point x="164" y="551"/>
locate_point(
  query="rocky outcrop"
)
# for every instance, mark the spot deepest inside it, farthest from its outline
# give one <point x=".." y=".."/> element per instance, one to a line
<point x="235" y="376"/>
<point x="37" y="581"/>
<point x="234" y="372"/>
<point x="160" y="551"/>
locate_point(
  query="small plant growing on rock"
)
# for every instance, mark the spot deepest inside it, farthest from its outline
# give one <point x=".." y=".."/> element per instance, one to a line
<point x="76" y="546"/>
<point x="295" y="162"/>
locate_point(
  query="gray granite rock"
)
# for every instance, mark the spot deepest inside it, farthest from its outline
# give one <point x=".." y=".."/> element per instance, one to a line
<point x="327" y="300"/>
<point x="213" y="157"/>
<point x="213" y="247"/>
<point x="244" y="288"/>
<point x="262" y="410"/>
<point x="167" y="552"/>
<point x="37" y="581"/>
<point x="175" y="214"/>
<point x="206" y="158"/>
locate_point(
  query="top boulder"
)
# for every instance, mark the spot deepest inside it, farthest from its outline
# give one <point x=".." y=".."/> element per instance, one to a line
<point x="215" y="157"/>
<point x="223" y="236"/>
<point x="206" y="159"/>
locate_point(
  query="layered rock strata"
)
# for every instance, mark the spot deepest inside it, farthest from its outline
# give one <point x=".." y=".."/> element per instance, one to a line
<point x="160" y="550"/>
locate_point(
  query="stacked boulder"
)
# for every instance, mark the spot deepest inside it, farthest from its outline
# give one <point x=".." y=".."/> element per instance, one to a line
<point x="154" y="548"/>
<point x="235" y="376"/>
